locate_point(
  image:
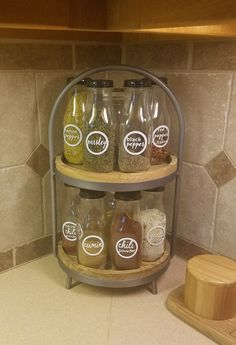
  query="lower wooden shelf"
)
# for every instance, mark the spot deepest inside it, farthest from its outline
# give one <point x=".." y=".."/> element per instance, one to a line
<point x="223" y="332"/>
<point x="147" y="273"/>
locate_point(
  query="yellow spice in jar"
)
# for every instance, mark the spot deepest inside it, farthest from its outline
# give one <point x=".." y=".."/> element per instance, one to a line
<point x="73" y="125"/>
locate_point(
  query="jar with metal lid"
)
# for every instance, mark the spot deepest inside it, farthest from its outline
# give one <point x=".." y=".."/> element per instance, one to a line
<point x="161" y="125"/>
<point x="99" y="127"/>
<point x="153" y="218"/>
<point x="70" y="211"/>
<point x="126" y="232"/>
<point x="92" y="245"/>
<point x="73" y="122"/>
<point x="135" y="128"/>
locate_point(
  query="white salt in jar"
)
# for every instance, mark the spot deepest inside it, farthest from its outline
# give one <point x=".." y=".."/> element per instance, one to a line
<point x="153" y="218"/>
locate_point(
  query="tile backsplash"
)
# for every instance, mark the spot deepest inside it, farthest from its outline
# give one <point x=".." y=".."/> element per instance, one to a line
<point x="201" y="74"/>
<point x="31" y="76"/>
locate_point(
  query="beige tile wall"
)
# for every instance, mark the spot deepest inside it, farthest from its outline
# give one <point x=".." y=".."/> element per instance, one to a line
<point x="201" y="75"/>
<point x="31" y="76"/>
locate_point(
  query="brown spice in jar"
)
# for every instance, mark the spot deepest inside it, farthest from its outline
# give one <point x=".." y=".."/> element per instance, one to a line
<point x="159" y="155"/>
<point x="126" y="242"/>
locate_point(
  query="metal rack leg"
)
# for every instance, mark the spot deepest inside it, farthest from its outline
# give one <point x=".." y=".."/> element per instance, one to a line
<point x="152" y="287"/>
<point x="70" y="284"/>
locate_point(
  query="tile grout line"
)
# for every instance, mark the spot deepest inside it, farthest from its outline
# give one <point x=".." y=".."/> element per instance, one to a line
<point x="109" y="321"/>
<point x="123" y="53"/>
<point x="31" y="154"/>
<point x="227" y="111"/>
<point x="14" y="256"/>
<point x="37" y="107"/>
<point x="73" y="57"/>
<point x="44" y="206"/>
<point x="190" y="56"/>
<point x="214" y="218"/>
<point x="20" y="165"/>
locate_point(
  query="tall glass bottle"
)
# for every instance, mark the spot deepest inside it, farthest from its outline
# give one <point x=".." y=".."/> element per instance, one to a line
<point x="92" y="245"/>
<point x="70" y="228"/>
<point x="161" y="125"/>
<point x="135" y="127"/>
<point x="153" y="217"/>
<point x="99" y="127"/>
<point x="73" y="123"/>
<point x="126" y="232"/>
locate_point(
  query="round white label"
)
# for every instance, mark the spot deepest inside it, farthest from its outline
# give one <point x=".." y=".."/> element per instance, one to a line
<point x="135" y="143"/>
<point x="72" y="135"/>
<point x="156" y="235"/>
<point x="92" y="245"/>
<point x="71" y="231"/>
<point x="160" y="136"/>
<point x="126" y="247"/>
<point x="97" y="143"/>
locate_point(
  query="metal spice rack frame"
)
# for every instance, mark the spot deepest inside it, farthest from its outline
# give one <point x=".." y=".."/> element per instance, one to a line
<point x="147" y="275"/>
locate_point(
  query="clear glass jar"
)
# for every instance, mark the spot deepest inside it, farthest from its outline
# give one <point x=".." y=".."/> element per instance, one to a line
<point x="153" y="218"/>
<point x="161" y="125"/>
<point x="99" y="127"/>
<point x="135" y="127"/>
<point x="92" y="245"/>
<point x="126" y="232"/>
<point x="73" y="123"/>
<point x="70" y="212"/>
<point x="110" y="203"/>
<point x="118" y="103"/>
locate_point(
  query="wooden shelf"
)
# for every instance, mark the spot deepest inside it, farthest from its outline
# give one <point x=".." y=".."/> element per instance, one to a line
<point x="77" y="175"/>
<point x="75" y="19"/>
<point x="114" y="278"/>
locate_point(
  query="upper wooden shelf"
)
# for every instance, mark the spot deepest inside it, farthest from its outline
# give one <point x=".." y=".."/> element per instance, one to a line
<point x="105" y="19"/>
<point x="76" y="175"/>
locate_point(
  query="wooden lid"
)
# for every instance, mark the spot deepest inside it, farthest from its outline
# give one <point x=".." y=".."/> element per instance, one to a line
<point x="213" y="269"/>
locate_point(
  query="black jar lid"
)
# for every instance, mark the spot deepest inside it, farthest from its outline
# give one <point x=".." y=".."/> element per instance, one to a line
<point x="91" y="194"/>
<point x="100" y="83"/>
<point x="83" y="82"/>
<point x="157" y="189"/>
<point x="128" y="196"/>
<point x="137" y="83"/>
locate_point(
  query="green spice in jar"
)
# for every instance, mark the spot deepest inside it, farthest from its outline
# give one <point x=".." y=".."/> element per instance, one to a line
<point x="99" y="127"/>
<point x="73" y="123"/>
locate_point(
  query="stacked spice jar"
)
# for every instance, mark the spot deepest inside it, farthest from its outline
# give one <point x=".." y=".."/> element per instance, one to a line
<point x="113" y="231"/>
<point x="103" y="134"/>
<point x="128" y="132"/>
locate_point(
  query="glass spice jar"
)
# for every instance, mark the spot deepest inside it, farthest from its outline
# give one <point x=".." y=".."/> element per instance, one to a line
<point x="99" y="127"/>
<point x="161" y="125"/>
<point x="126" y="232"/>
<point x="92" y="245"/>
<point x="135" y="128"/>
<point x="153" y="218"/>
<point x="118" y="102"/>
<point x="70" y="227"/>
<point x="73" y="122"/>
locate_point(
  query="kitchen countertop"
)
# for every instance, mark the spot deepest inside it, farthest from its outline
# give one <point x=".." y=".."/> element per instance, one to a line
<point x="36" y="309"/>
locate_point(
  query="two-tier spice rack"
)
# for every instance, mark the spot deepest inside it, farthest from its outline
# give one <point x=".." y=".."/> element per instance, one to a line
<point x="77" y="176"/>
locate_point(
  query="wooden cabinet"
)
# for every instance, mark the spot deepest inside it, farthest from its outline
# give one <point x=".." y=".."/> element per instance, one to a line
<point x="105" y="19"/>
